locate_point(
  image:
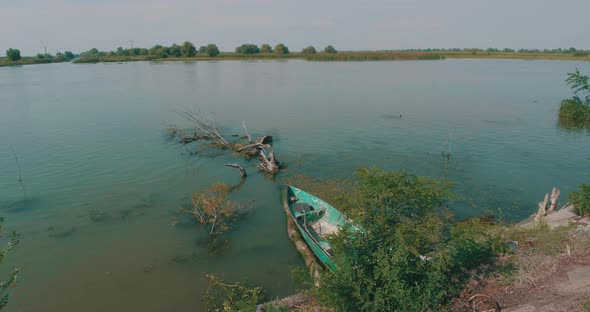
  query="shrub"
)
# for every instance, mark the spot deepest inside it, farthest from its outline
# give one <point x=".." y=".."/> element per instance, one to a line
<point x="581" y="200"/>
<point x="409" y="255"/>
<point x="577" y="108"/>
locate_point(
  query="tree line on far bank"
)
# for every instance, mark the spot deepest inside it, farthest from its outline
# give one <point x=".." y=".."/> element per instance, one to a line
<point x="188" y="49"/>
<point x="14" y="55"/>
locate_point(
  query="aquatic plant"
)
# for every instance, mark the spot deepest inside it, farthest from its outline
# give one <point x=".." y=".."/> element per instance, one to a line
<point x="10" y="282"/>
<point x="212" y="209"/>
<point x="20" y="176"/>
<point x="222" y="296"/>
<point x="577" y="108"/>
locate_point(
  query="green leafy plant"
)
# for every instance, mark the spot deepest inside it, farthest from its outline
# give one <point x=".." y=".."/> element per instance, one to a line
<point x="410" y="255"/>
<point x="581" y="200"/>
<point x="577" y="108"/>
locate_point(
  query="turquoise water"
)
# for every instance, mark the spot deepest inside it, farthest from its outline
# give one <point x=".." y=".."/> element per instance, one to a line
<point x="91" y="142"/>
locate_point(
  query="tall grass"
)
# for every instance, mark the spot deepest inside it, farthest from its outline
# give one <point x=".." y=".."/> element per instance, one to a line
<point x="374" y="56"/>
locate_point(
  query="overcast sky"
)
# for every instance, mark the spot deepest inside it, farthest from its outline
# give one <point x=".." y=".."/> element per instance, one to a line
<point x="79" y="25"/>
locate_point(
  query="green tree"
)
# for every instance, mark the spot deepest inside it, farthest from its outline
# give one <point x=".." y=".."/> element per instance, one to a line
<point x="265" y="48"/>
<point x="188" y="49"/>
<point x="212" y="50"/>
<point x="69" y="55"/>
<point x="122" y="52"/>
<point x="40" y="56"/>
<point x="203" y="50"/>
<point x="281" y="49"/>
<point x="175" y="50"/>
<point x="144" y="51"/>
<point x="158" y="51"/>
<point x="408" y="255"/>
<point x="13" y="54"/>
<point x="330" y="49"/>
<point x="247" y="48"/>
<point x="308" y="50"/>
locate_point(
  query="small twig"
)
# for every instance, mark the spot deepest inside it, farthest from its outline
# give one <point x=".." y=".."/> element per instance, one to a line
<point x="20" y="177"/>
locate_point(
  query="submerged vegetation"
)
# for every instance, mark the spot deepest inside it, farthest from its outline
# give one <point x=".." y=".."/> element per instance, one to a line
<point x="576" y="110"/>
<point x="10" y="282"/>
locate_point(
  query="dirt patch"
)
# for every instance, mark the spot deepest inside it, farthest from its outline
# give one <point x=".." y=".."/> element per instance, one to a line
<point x="559" y="282"/>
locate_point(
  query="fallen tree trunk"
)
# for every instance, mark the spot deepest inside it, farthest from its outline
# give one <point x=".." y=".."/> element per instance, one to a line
<point x="311" y="261"/>
<point x="262" y="142"/>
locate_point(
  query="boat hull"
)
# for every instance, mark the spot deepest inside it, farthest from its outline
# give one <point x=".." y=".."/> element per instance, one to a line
<point x="326" y="220"/>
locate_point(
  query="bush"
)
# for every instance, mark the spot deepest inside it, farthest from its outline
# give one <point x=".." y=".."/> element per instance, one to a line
<point x="577" y="108"/>
<point x="409" y="255"/>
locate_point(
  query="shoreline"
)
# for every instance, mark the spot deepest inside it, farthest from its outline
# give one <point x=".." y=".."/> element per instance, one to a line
<point x="319" y="57"/>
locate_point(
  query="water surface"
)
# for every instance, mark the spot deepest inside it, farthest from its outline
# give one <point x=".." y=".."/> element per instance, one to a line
<point x="101" y="228"/>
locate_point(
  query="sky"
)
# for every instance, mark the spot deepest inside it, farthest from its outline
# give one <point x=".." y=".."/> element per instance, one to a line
<point x="79" y="25"/>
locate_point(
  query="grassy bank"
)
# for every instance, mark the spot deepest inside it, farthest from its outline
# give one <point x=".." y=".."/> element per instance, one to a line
<point x="29" y="61"/>
<point x="342" y="56"/>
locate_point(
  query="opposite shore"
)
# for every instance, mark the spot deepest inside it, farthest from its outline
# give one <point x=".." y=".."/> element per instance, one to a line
<point x="340" y="56"/>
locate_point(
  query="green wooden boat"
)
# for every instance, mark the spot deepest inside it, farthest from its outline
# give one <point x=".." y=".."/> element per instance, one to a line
<point x="316" y="220"/>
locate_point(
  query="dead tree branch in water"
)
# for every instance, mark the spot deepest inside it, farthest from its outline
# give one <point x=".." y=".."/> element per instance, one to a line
<point x="446" y="152"/>
<point x="208" y="129"/>
<point x="20" y="177"/>
<point x="242" y="170"/>
<point x="247" y="133"/>
<point x="207" y="132"/>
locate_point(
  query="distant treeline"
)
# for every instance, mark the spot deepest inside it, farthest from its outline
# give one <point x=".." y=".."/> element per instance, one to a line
<point x="13" y="57"/>
<point x="189" y="50"/>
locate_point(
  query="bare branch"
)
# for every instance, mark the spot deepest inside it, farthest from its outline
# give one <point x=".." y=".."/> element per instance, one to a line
<point x="242" y="170"/>
<point x="247" y="133"/>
